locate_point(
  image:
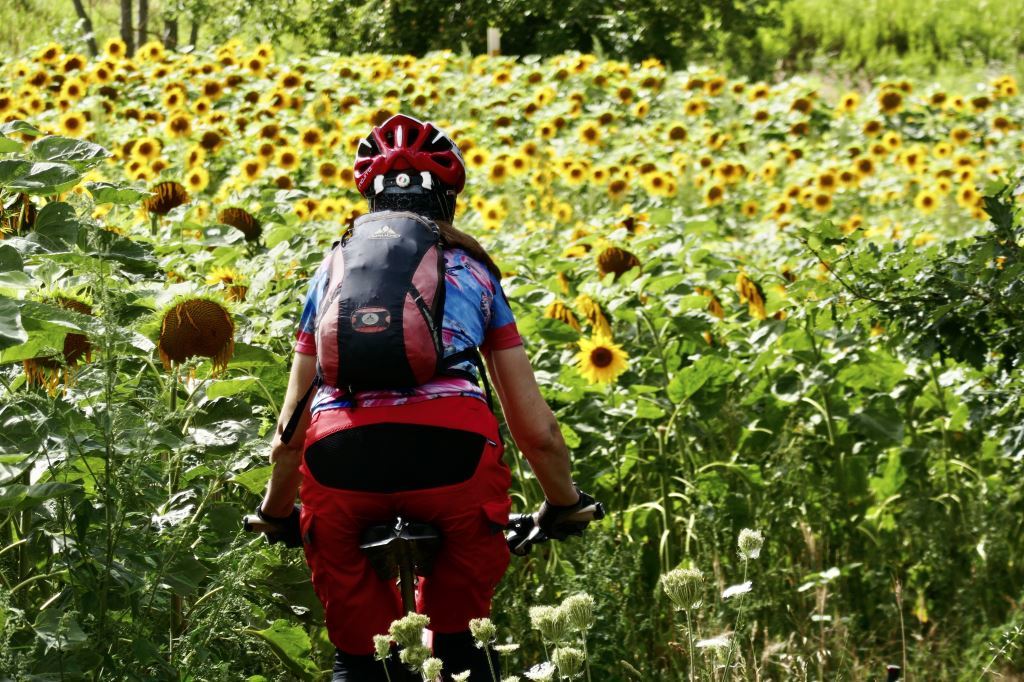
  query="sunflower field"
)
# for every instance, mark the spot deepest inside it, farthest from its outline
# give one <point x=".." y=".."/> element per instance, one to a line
<point x="780" y="325"/>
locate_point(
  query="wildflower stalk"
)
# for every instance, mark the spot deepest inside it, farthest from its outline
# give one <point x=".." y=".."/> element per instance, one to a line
<point x="736" y="625"/>
<point x="689" y="638"/>
<point x="586" y="657"/>
<point x="490" y="664"/>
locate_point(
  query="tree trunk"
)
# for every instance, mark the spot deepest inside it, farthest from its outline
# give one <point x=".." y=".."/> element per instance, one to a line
<point x="126" y="27"/>
<point x="87" y="30"/>
<point x="193" y="34"/>
<point x="171" y="33"/>
<point x="143" y="22"/>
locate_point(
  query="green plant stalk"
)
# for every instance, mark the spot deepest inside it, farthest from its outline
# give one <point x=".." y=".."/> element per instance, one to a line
<point x="490" y="663"/>
<point x="689" y="638"/>
<point x="736" y="625"/>
<point x="586" y="657"/>
<point x="386" y="673"/>
<point x="663" y="476"/>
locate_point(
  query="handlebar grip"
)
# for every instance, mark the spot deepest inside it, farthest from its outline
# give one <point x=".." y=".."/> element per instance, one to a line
<point x="254" y="524"/>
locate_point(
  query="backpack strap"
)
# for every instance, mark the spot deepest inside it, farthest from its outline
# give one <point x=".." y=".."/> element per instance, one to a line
<point x="293" y="422"/>
<point x="471" y="355"/>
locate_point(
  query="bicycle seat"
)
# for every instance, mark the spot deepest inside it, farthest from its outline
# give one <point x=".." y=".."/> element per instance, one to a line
<point x="386" y="545"/>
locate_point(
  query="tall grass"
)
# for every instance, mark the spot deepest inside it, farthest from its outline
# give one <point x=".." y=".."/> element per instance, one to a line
<point x="912" y="37"/>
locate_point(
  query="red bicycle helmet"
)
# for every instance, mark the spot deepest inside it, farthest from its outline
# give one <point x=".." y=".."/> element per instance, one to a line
<point x="403" y="143"/>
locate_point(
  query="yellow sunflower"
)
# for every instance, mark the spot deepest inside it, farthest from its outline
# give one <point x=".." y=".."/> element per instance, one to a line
<point x="600" y="360"/>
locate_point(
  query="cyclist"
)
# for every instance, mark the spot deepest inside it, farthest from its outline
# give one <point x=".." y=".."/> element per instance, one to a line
<point x="431" y="452"/>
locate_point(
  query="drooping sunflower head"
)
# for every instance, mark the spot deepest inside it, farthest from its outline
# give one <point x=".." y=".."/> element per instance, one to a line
<point x="196" y="327"/>
<point x="49" y="371"/>
<point x="17" y="215"/>
<point x="166" y="196"/>
<point x="591" y="310"/>
<point x="556" y="310"/>
<point x="616" y="260"/>
<point x="243" y="221"/>
<point x="600" y="360"/>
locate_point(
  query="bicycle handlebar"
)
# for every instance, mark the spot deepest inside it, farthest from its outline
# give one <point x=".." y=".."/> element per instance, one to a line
<point x="522" y="529"/>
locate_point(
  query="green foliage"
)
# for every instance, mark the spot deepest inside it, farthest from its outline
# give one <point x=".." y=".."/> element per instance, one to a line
<point x="675" y="32"/>
<point x="896" y="37"/>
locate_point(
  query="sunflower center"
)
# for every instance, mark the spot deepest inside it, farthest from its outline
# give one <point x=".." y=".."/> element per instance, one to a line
<point x="601" y="357"/>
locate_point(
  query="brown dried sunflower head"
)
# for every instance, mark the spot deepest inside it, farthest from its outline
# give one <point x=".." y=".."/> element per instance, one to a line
<point x="197" y="327"/>
<point x="243" y="221"/>
<point x="17" y="215"/>
<point x="614" y="259"/>
<point x="166" y="196"/>
<point x="49" y="371"/>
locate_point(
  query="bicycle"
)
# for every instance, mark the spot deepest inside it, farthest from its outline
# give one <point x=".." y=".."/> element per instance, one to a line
<point x="404" y="549"/>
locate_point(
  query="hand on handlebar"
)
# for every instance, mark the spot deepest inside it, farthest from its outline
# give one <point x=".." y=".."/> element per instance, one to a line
<point x="277" y="529"/>
<point x="552" y="522"/>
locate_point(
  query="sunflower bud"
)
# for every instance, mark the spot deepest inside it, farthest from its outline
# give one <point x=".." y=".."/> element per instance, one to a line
<point x="685" y="587"/>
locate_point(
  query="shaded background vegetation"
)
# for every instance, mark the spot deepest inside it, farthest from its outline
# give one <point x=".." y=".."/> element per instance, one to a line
<point x="759" y="39"/>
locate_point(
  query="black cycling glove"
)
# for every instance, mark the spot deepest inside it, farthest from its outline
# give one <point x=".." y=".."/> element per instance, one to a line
<point x="290" y="534"/>
<point x="558" y="523"/>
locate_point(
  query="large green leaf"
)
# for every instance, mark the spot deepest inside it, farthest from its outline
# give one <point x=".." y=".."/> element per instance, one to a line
<point x="19" y="496"/>
<point x="57" y="227"/>
<point x="10" y="259"/>
<point x="226" y="387"/>
<point x="109" y="193"/>
<point x="39" y="344"/>
<point x="19" y="126"/>
<point x="37" y="315"/>
<point x="253" y="356"/>
<point x="12" y="169"/>
<point x="291" y="644"/>
<point x="254" y="480"/>
<point x="81" y="154"/>
<point x="12" y="332"/>
<point x="13" y="282"/>
<point x="689" y="380"/>
<point x="134" y="256"/>
<point x="43" y="177"/>
<point x="8" y="145"/>
<point x="58" y="630"/>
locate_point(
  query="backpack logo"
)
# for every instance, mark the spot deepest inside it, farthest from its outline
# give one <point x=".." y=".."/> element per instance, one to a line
<point x="385" y="233"/>
<point x="371" y="320"/>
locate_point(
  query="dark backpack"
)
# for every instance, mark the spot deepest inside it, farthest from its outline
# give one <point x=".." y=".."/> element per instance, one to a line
<point x="379" y="326"/>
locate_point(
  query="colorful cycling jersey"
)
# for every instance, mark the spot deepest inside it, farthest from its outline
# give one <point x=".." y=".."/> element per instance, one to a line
<point x="476" y="314"/>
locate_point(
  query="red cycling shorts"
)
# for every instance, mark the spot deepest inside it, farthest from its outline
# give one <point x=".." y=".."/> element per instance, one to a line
<point x="470" y="514"/>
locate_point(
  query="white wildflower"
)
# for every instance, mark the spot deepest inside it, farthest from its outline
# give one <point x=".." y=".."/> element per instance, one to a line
<point x="735" y="590"/>
<point x="750" y="543"/>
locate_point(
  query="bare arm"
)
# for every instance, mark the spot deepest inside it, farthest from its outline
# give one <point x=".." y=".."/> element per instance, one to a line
<point x="285" y="478"/>
<point x="533" y="425"/>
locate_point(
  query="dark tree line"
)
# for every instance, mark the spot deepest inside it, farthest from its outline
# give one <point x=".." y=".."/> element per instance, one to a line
<point x="675" y="31"/>
<point x="134" y="25"/>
